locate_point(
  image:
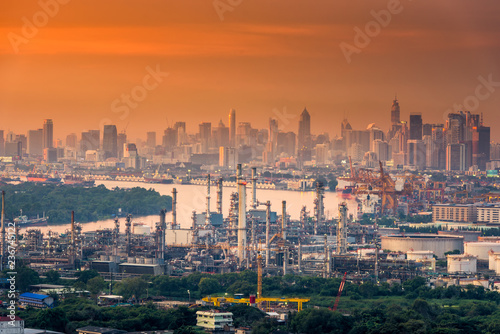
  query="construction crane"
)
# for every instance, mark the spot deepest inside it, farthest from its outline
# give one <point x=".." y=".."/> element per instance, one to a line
<point x="341" y="288"/>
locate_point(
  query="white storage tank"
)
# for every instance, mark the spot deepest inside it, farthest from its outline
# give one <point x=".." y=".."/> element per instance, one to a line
<point x="492" y="257"/>
<point x="141" y="228"/>
<point x="148" y="260"/>
<point x="481" y="249"/>
<point x="463" y="263"/>
<point x="131" y="260"/>
<point x="139" y="260"/>
<point x="419" y="255"/>
<point x="439" y="244"/>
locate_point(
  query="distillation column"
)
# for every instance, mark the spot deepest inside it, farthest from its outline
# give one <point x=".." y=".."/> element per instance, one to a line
<point x="254" y="188"/>
<point x="219" y="195"/>
<point x="283" y="221"/>
<point x="342" y="229"/>
<point x="174" y="208"/>
<point x="207" y="215"/>
<point x="242" y="216"/>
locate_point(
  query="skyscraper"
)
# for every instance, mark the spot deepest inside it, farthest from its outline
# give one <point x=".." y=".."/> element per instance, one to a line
<point x="395" y="112"/>
<point x="232" y="127"/>
<point x="2" y="144"/>
<point x="71" y="140"/>
<point x="90" y="140"/>
<point x="110" y="141"/>
<point x="121" y="141"/>
<point x="151" y="139"/>
<point x="35" y="142"/>
<point x="304" y="136"/>
<point x="48" y="133"/>
<point x="205" y="136"/>
<point x="415" y="126"/>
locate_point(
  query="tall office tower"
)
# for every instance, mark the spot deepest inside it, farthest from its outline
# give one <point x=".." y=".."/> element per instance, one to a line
<point x="90" y="140"/>
<point x="151" y="139"/>
<point x="35" y="142"/>
<point x="304" y="137"/>
<point x="205" y="136"/>
<point x="48" y="133"/>
<point x="220" y="135"/>
<point x="110" y="141"/>
<point x="430" y="147"/>
<point x="243" y="134"/>
<point x="439" y="145"/>
<point x="455" y="157"/>
<point x="71" y="140"/>
<point x="403" y="137"/>
<point x="481" y="146"/>
<point x="169" y="139"/>
<point x="455" y="128"/>
<point x="180" y="128"/>
<point x="381" y="148"/>
<point x="121" y="140"/>
<point x="427" y="129"/>
<point x="2" y="144"/>
<point x="416" y="153"/>
<point x="495" y="151"/>
<point x="344" y="127"/>
<point x="375" y="133"/>
<point x="272" y="143"/>
<point x="232" y="127"/>
<point x="415" y="126"/>
<point x="395" y="119"/>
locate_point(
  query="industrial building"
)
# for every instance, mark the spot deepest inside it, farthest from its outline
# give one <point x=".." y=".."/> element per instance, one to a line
<point x="439" y="244"/>
<point x="462" y="264"/>
<point x="454" y="212"/>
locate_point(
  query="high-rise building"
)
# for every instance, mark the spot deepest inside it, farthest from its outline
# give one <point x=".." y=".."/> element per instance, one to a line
<point x="381" y="148"/>
<point x="71" y="140"/>
<point x="110" y="141"/>
<point x="455" y="157"/>
<point x="151" y="139"/>
<point x="232" y="127"/>
<point x="48" y="133"/>
<point x="2" y="144"/>
<point x="304" y="137"/>
<point x="395" y="112"/>
<point x="439" y="146"/>
<point x="415" y="126"/>
<point x="90" y="140"/>
<point x="416" y="153"/>
<point x="272" y="143"/>
<point x="481" y="146"/>
<point x="427" y="129"/>
<point x="169" y="139"/>
<point x="121" y="141"/>
<point x="35" y="142"/>
<point x="220" y="135"/>
<point x="205" y="136"/>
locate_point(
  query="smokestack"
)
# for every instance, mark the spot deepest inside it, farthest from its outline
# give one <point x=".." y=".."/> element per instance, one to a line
<point x="283" y="221"/>
<point x="342" y="229"/>
<point x="268" y="226"/>
<point x="73" y="228"/>
<point x="207" y="215"/>
<point x="219" y="195"/>
<point x="254" y="187"/>
<point x="174" y="208"/>
<point x="285" y="260"/>
<point x="3" y="228"/>
<point x="242" y="216"/>
<point x="299" y="257"/>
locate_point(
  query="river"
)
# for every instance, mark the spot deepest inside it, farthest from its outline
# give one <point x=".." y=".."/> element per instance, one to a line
<point x="193" y="197"/>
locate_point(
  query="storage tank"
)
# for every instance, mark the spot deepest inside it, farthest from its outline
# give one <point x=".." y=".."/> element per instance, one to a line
<point x="439" y="244"/>
<point x="131" y="260"/>
<point x="148" y="260"/>
<point x="492" y="257"/>
<point x="468" y="235"/>
<point x="488" y="239"/>
<point x="419" y="255"/>
<point x="141" y="228"/>
<point x="481" y="249"/>
<point x="463" y="263"/>
<point x="139" y="260"/>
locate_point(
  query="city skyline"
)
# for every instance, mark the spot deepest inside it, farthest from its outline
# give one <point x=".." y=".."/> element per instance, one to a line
<point x="194" y="63"/>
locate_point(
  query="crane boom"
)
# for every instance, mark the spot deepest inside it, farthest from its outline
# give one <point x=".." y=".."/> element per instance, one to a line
<point x="341" y="288"/>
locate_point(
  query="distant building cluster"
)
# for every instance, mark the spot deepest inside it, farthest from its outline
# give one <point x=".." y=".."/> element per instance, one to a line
<point x="461" y="143"/>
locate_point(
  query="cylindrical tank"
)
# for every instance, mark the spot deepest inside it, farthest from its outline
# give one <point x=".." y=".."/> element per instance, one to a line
<point x="492" y="257"/>
<point x="468" y="235"/>
<point x="488" y="239"/>
<point x="139" y="260"/>
<point x="439" y="244"/>
<point x="462" y="263"/>
<point x="142" y="229"/>
<point x="481" y="249"/>
<point x="131" y="260"/>
<point x="148" y="260"/>
<point x="252" y="299"/>
<point x="419" y="255"/>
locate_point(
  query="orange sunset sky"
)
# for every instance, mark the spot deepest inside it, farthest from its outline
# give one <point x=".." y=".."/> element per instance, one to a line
<point x="263" y="56"/>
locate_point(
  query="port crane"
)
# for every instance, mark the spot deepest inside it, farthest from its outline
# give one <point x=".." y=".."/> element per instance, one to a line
<point x="341" y="288"/>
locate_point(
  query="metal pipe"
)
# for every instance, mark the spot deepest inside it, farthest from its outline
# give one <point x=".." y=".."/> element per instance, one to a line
<point x="283" y="221"/>
<point x="174" y="208"/>
<point x="268" y="226"/>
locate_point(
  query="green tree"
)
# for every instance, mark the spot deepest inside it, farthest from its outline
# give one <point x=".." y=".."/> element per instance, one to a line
<point x="96" y="285"/>
<point x="52" y="277"/>
<point x="85" y="275"/>
<point x="209" y="286"/>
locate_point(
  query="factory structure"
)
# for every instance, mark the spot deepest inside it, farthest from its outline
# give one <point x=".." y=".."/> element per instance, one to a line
<point x="250" y="235"/>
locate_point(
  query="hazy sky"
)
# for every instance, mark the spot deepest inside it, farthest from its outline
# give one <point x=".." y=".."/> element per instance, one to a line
<point x="89" y="62"/>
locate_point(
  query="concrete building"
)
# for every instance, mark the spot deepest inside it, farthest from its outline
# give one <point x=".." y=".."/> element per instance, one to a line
<point x="214" y="320"/>
<point x="35" y="300"/>
<point x="11" y="326"/>
<point x="454" y="212"/>
<point x="35" y="142"/>
<point x="489" y="213"/>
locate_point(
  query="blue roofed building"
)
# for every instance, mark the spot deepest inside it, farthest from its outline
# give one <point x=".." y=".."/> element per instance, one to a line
<point x="35" y="300"/>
